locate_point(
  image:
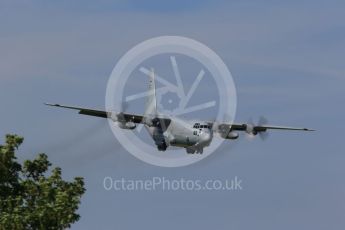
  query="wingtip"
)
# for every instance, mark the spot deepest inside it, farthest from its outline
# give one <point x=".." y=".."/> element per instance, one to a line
<point x="50" y="104"/>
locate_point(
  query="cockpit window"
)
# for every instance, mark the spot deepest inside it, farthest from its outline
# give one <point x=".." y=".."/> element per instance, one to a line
<point x="196" y="125"/>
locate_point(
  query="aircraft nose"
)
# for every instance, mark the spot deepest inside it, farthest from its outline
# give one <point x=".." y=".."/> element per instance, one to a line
<point x="206" y="137"/>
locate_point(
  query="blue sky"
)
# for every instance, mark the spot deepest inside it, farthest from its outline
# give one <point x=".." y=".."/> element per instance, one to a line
<point x="287" y="60"/>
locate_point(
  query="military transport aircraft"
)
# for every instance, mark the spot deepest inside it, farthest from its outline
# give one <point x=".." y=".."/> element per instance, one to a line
<point x="171" y="131"/>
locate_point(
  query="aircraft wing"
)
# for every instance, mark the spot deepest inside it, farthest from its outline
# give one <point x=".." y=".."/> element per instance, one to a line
<point x="157" y="121"/>
<point x="263" y="128"/>
<point x="226" y="130"/>
<point x="126" y="117"/>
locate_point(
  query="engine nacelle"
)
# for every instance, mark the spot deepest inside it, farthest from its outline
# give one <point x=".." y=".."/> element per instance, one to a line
<point x="152" y="122"/>
<point x="127" y="125"/>
<point x="148" y="121"/>
<point x="232" y="135"/>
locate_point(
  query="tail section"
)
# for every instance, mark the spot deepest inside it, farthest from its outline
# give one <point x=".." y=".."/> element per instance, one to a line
<point x="151" y="104"/>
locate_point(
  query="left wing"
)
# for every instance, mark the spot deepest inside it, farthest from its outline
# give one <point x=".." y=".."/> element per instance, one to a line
<point x="226" y="130"/>
<point x="263" y="128"/>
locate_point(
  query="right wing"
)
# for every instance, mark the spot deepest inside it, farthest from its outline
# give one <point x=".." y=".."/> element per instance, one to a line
<point x="122" y="117"/>
<point x="156" y="121"/>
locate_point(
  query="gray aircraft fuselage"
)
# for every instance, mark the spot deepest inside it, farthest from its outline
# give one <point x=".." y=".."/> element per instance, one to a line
<point x="193" y="136"/>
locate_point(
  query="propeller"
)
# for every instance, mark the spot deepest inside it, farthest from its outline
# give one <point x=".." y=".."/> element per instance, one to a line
<point x="251" y="128"/>
<point x="122" y="107"/>
<point x="263" y="121"/>
<point x="220" y="127"/>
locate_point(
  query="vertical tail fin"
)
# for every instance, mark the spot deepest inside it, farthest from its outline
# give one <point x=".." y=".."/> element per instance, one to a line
<point x="151" y="104"/>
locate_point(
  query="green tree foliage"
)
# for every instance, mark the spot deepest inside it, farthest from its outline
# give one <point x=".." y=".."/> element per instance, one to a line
<point x="29" y="198"/>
